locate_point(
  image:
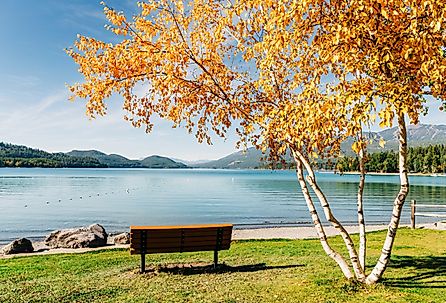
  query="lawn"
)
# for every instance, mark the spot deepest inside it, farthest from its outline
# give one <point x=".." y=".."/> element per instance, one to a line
<point x="254" y="271"/>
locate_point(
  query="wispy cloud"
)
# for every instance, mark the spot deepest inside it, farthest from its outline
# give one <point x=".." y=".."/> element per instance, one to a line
<point x="55" y="124"/>
<point x="25" y="113"/>
<point x="26" y="81"/>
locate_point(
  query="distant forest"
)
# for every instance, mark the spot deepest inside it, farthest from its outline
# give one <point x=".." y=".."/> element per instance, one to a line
<point x="430" y="160"/>
<point x="22" y="156"/>
<point x="426" y="160"/>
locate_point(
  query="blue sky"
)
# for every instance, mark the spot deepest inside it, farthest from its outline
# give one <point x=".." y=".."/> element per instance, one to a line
<point x="34" y="106"/>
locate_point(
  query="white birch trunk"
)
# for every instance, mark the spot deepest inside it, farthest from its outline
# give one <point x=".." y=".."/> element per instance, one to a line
<point x="360" y="204"/>
<point x="317" y="224"/>
<point x="359" y="273"/>
<point x="384" y="259"/>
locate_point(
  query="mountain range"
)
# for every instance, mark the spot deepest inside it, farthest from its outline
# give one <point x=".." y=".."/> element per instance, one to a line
<point x="15" y="155"/>
<point x="417" y="135"/>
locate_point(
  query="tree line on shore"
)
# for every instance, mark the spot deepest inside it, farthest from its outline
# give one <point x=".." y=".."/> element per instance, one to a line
<point x="430" y="159"/>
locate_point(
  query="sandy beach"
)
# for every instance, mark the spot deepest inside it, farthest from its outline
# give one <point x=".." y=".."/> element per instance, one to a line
<point x="301" y="232"/>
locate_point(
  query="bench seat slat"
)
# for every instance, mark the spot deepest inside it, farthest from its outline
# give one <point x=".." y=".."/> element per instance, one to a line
<point x="185" y="239"/>
<point x="177" y="243"/>
<point x="169" y="227"/>
<point x="154" y="236"/>
<point x="175" y="249"/>
<point x="178" y="248"/>
<point x="136" y="234"/>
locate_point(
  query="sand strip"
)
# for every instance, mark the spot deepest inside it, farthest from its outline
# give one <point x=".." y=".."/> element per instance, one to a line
<point x="301" y="232"/>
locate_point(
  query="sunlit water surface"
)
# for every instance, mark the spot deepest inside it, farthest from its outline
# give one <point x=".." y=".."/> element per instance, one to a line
<point x="35" y="201"/>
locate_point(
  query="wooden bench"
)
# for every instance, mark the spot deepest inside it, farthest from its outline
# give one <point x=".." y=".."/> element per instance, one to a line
<point x="188" y="238"/>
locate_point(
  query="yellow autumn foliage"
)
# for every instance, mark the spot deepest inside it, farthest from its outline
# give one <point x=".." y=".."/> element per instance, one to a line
<point x="301" y="75"/>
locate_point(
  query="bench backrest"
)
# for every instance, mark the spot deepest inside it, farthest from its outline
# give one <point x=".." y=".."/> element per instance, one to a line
<point x="187" y="238"/>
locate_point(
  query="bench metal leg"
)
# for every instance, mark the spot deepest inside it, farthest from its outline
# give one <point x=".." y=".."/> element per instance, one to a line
<point x="143" y="263"/>
<point x="215" y="258"/>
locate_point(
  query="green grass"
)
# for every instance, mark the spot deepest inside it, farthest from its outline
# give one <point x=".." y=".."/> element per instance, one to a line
<point x="255" y="271"/>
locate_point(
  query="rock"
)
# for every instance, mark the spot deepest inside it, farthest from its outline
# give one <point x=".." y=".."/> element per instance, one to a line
<point x="91" y="236"/>
<point x="123" y="238"/>
<point x="18" y="246"/>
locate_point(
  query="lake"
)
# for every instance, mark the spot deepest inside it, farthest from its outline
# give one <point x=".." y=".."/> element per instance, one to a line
<point x="35" y="201"/>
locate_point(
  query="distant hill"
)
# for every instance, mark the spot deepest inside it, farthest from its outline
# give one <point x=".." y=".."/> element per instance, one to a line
<point x="190" y="162"/>
<point x="161" y="162"/>
<point x="418" y="135"/>
<point x="21" y="156"/>
<point x="111" y="160"/>
<point x="251" y="158"/>
<point x="118" y="161"/>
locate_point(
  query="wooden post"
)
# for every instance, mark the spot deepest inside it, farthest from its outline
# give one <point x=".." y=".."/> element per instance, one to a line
<point x="215" y="259"/>
<point x="413" y="207"/>
<point x="143" y="263"/>
<point x="143" y="250"/>
<point x="218" y="246"/>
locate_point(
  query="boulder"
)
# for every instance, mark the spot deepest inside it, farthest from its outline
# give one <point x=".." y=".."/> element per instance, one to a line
<point x="91" y="236"/>
<point x="18" y="246"/>
<point x="123" y="238"/>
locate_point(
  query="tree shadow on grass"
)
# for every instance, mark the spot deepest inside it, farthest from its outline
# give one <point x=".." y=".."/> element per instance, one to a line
<point x="420" y="272"/>
<point x="197" y="269"/>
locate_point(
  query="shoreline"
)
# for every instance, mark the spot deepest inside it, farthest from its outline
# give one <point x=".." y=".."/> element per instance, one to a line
<point x="260" y="233"/>
<point x="212" y="168"/>
<point x="388" y="174"/>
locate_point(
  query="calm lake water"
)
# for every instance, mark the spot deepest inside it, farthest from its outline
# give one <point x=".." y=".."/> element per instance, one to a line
<point x="35" y="201"/>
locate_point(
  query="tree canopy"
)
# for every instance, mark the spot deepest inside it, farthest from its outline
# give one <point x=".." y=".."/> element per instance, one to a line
<point x="303" y="73"/>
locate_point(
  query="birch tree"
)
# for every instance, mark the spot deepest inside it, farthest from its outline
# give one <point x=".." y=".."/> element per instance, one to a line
<point x="287" y="76"/>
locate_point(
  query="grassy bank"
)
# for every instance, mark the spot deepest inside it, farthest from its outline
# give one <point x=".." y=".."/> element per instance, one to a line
<point x="255" y="271"/>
